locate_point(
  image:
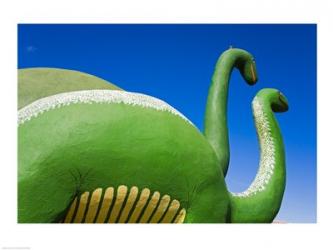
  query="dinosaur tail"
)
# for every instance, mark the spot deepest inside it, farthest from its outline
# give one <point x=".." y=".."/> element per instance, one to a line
<point x="262" y="200"/>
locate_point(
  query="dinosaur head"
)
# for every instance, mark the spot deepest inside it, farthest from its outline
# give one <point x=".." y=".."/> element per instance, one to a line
<point x="278" y="101"/>
<point x="246" y="65"/>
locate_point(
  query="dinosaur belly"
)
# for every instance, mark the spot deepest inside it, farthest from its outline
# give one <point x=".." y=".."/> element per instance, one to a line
<point x="124" y="205"/>
<point x="97" y="141"/>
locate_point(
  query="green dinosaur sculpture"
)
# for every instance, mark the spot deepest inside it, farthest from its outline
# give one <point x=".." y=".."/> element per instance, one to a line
<point x="104" y="156"/>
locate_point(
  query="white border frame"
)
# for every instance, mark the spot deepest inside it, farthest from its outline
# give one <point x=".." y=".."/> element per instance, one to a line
<point x="278" y="236"/>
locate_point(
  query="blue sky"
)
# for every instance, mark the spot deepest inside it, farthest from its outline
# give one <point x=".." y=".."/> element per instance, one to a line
<point x="175" y="63"/>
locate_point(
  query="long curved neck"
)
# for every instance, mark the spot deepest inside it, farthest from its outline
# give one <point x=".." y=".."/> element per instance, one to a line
<point x="272" y="155"/>
<point x="216" y="128"/>
<point x="264" y="196"/>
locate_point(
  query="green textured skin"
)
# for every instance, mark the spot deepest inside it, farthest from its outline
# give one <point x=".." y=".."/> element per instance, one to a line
<point x="69" y="150"/>
<point x="264" y="206"/>
<point x="36" y="83"/>
<point x="108" y="144"/>
<point x="216" y="127"/>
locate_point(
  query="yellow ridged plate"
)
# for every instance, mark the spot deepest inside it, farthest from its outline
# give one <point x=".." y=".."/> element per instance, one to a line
<point x="124" y="205"/>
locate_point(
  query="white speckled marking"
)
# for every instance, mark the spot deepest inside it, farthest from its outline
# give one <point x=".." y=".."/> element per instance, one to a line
<point x="93" y="96"/>
<point x="267" y="157"/>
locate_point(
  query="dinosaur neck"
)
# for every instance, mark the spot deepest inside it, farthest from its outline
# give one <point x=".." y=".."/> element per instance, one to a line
<point x="264" y="196"/>
<point x="271" y="146"/>
<point x="216" y="128"/>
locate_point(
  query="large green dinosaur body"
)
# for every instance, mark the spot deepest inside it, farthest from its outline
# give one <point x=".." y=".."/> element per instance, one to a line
<point x="104" y="155"/>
